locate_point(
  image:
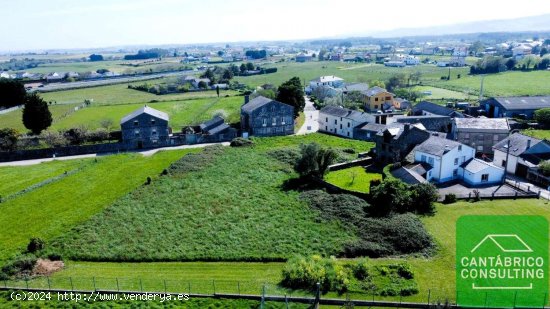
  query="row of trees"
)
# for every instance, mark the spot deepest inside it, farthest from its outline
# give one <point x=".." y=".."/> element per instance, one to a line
<point x="496" y="64"/>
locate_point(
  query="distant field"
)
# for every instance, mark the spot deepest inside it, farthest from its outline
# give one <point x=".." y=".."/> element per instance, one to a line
<point x="351" y="72"/>
<point x="501" y="84"/>
<point x="53" y="209"/>
<point x="181" y="112"/>
<point x="354" y="179"/>
<point x="14" y="119"/>
<point x="441" y="94"/>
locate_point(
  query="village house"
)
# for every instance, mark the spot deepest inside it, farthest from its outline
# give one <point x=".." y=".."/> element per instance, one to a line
<point x="524" y="107"/>
<point x="341" y="121"/>
<point x="303" y="58"/>
<point x="480" y="133"/>
<point x="332" y="81"/>
<point x="519" y="153"/>
<point x="397" y="140"/>
<point x="145" y="127"/>
<point x="211" y="131"/>
<point x="376" y="97"/>
<point x="426" y="108"/>
<point x="430" y="122"/>
<point x="266" y="117"/>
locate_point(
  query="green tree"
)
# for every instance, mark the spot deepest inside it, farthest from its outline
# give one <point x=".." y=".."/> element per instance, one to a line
<point x="390" y="196"/>
<point x="202" y="85"/>
<point x="314" y="160"/>
<point x="377" y="83"/>
<point x="292" y="93"/>
<point x="510" y="63"/>
<point x="12" y="93"/>
<point x="423" y="197"/>
<point x="322" y="54"/>
<point x="250" y="66"/>
<point x="542" y="116"/>
<point x="543" y="51"/>
<point x="36" y="115"/>
<point x="476" y="48"/>
<point x="8" y="139"/>
<point x="544" y="64"/>
<point x="94" y="57"/>
<point x="396" y="81"/>
<point x="227" y="74"/>
<point x="243" y="68"/>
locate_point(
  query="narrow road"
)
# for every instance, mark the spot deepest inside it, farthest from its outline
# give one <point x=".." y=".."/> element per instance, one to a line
<point x="311" y="124"/>
<point x="527" y="186"/>
<point x="146" y="153"/>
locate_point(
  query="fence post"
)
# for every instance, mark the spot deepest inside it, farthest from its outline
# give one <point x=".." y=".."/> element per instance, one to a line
<point x="214" y="285"/>
<point x="429" y="296"/>
<point x="486" y="295"/>
<point x="49" y="285"/>
<point x="117" y="285"/>
<point x="515" y="298"/>
<point x="72" y="286"/>
<point x="516" y="195"/>
<point x="6" y="283"/>
<point x="239" y="287"/>
<point x="538" y="195"/>
<point x="189" y="287"/>
<point x="545" y="297"/>
<point x="165" y="288"/>
<point x="93" y="279"/>
<point x="27" y="283"/>
<point x="286" y="301"/>
<point x="140" y="285"/>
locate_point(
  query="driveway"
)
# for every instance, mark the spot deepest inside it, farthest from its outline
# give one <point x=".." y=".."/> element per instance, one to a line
<point x="145" y="153"/>
<point x="311" y="123"/>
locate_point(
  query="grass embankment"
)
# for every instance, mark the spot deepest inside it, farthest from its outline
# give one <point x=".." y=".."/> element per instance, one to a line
<point x="52" y="209"/>
<point x="353" y="179"/>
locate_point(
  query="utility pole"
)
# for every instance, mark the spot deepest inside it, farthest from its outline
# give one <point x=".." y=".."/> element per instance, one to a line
<point x="481" y="88"/>
<point x="506" y="163"/>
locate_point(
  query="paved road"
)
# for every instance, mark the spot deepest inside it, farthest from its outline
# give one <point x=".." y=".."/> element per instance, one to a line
<point x="527" y="186"/>
<point x="311" y="124"/>
<point x="146" y="153"/>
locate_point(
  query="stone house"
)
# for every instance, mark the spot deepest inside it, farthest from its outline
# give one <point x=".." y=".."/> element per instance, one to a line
<point x="397" y="140"/>
<point x="145" y="127"/>
<point x="519" y="153"/>
<point x="266" y="117"/>
<point x="480" y="133"/>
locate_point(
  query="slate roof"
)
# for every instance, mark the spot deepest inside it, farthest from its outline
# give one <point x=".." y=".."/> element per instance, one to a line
<point x="375" y="90"/>
<point x="345" y="113"/>
<point x="475" y="165"/>
<point x="218" y="129"/>
<point x="518" y="144"/>
<point x="373" y="127"/>
<point x="436" y="146"/>
<point x="361" y="87"/>
<point x="408" y="176"/>
<point x="214" y="122"/>
<point x="521" y="103"/>
<point x="396" y="129"/>
<point x="258" y="102"/>
<point x="433" y="108"/>
<point x="482" y="123"/>
<point x="145" y="110"/>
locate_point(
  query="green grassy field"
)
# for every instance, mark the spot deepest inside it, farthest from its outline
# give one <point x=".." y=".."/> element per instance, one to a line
<point x="51" y="210"/>
<point x="354" y="179"/>
<point x="233" y="208"/>
<point x="14" y="119"/>
<point x="441" y="94"/>
<point x="501" y="84"/>
<point x="540" y="134"/>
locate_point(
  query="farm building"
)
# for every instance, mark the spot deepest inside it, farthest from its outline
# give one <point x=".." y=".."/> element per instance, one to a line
<point x="426" y="108"/>
<point x="525" y="107"/>
<point x="519" y="153"/>
<point x="145" y="128"/>
<point x="341" y="121"/>
<point x="266" y="117"/>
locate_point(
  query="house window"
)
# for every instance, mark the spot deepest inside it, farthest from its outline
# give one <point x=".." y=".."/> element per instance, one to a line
<point x="375" y="99"/>
<point x="503" y="163"/>
<point x="480" y="148"/>
<point x="459" y="147"/>
<point x="283" y="120"/>
<point x="423" y="158"/>
<point x="136" y="123"/>
<point x="152" y="121"/>
<point x="264" y="122"/>
<point x="349" y="124"/>
<point x="455" y="172"/>
<point x="376" y="107"/>
<point x="340" y="126"/>
<point x="348" y="134"/>
<point x="388" y="98"/>
<point x="485" y="178"/>
<point x="431" y="161"/>
<point x="326" y="128"/>
<point x="154" y="133"/>
<point x="335" y="121"/>
<point x="326" y="119"/>
<point x="456" y="161"/>
<point x="274" y="121"/>
<point x="136" y="132"/>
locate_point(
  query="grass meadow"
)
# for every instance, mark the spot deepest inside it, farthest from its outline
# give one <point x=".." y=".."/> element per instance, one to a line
<point x="51" y="210"/>
<point x="14" y="119"/>
<point x="353" y="179"/>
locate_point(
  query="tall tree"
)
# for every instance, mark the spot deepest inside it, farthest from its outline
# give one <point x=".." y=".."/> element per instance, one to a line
<point x="292" y="93"/>
<point x="36" y="114"/>
<point x="12" y="93"/>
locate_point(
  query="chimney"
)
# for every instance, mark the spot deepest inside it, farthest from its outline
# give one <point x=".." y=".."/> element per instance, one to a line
<point x="528" y="143"/>
<point x="246" y="99"/>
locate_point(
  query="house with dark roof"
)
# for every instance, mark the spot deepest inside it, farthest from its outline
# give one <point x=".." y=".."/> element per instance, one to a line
<point x="430" y="122"/>
<point x="368" y="132"/>
<point x="443" y="158"/>
<point x="341" y="121"/>
<point x="211" y="131"/>
<point x="145" y="127"/>
<point x="519" y="153"/>
<point x="397" y="140"/>
<point x="266" y="117"/>
<point x="426" y="108"/>
<point x="480" y="133"/>
<point x="525" y="107"/>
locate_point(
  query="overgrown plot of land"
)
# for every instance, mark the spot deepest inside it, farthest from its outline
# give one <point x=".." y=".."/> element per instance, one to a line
<point x="232" y="208"/>
<point x="353" y="179"/>
<point x="53" y="209"/>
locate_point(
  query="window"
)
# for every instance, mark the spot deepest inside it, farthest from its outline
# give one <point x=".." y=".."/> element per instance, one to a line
<point x="348" y="134"/>
<point x="274" y="121"/>
<point x="264" y="122"/>
<point x="485" y="178"/>
<point x="503" y="163"/>
<point x="431" y="161"/>
<point x="375" y="99"/>
<point x="136" y="123"/>
<point x="335" y="121"/>
<point x="326" y="119"/>
<point x="154" y="133"/>
<point x="495" y="138"/>
<point x="455" y="172"/>
<point x="152" y="121"/>
<point x="340" y="126"/>
<point x="456" y="161"/>
<point x="480" y="148"/>
<point x="459" y="147"/>
<point x="349" y="124"/>
<point x="388" y="98"/>
<point x="376" y="107"/>
<point x="136" y="132"/>
<point x="326" y="128"/>
<point x="283" y="120"/>
<point x="423" y="158"/>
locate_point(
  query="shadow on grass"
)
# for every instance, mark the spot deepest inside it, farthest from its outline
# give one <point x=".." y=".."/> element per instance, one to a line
<point x="300" y="184"/>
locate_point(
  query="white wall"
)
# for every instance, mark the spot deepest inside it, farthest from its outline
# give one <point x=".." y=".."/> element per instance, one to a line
<point x="511" y="164"/>
<point x="495" y="176"/>
<point x="444" y="167"/>
<point x="332" y="125"/>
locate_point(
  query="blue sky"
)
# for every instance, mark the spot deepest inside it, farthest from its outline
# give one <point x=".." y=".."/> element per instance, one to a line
<point x="39" y="24"/>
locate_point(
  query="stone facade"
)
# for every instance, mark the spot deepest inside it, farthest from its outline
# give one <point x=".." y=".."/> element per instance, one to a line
<point x="266" y="117"/>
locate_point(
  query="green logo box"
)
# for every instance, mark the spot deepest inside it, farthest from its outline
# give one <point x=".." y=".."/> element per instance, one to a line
<point x="502" y="261"/>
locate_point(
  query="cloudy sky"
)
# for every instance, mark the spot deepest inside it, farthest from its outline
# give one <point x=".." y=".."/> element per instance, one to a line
<point x="38" y="24"/>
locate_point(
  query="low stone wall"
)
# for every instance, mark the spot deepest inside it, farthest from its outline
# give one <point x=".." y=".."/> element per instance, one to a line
<point x="358" y="162"/>
<point x="61" y="151"/>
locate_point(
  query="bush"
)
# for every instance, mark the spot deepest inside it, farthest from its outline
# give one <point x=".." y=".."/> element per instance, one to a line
<point x="8" y="139"/>
<point x="20" y="266"/>
<point x="361" y="269"/>
<point x="344" y="207"/>
<point x="305" y="272"/>
<point x="285" y="155"/>
<point x="36" y="244"/>
<point x="241" y="142"/>
<point x="314" y="160"/>
<point x="449" y="198"/>
<point x="542" y="116"/>
<point x="423" y="196"/>
<point x="391" y="196"/>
